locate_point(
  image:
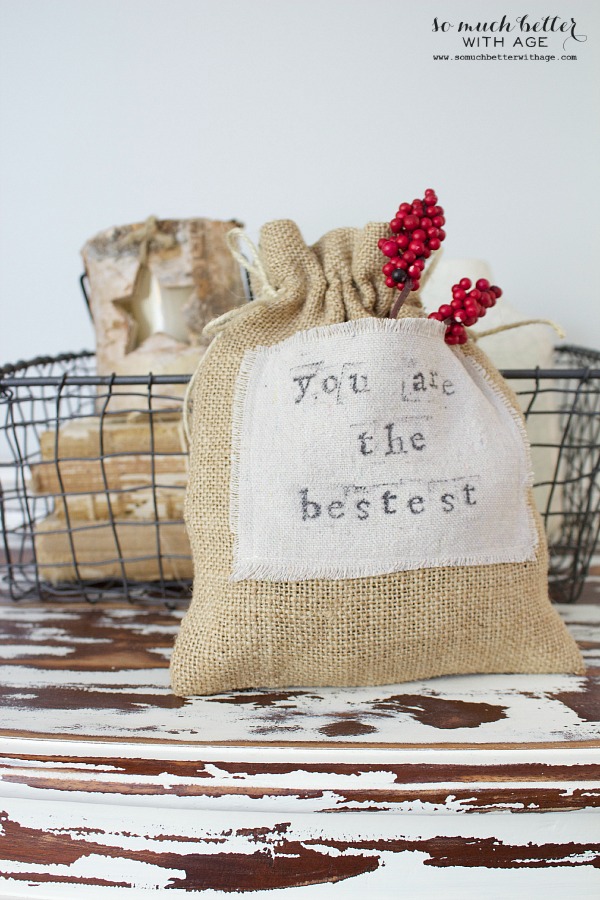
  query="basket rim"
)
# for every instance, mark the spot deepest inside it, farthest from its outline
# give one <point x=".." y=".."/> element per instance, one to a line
<point x="10" y="374"/>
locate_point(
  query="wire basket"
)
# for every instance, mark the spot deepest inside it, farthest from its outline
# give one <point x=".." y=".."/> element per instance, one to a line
<point x="94" y="473"/>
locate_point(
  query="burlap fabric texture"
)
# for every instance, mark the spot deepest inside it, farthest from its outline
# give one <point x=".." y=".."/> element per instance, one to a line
<point x="346" y="632"/>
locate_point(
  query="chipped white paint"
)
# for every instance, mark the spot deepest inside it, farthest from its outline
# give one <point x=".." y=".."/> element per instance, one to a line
<point x="15" y="651"/>
<point x="134" y="791"/>
<point x="531" y="714"/>
<point x="526" y="706"/>
<point x="135" y="832"/>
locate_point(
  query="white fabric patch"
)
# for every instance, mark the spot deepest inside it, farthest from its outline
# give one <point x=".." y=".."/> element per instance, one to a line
<point x="371" y="447"/>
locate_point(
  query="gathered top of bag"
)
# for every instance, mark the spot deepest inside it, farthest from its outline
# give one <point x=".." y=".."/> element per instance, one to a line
<point x="336" y="279"/>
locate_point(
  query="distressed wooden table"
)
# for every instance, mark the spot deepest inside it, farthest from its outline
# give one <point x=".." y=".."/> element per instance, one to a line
<point x="454" y="787"/>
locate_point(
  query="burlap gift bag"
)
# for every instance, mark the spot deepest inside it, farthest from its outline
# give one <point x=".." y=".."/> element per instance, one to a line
<point x="359" y="505"/>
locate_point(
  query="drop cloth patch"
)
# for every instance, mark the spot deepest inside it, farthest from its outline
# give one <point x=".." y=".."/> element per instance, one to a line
<point x="371" y="447"/>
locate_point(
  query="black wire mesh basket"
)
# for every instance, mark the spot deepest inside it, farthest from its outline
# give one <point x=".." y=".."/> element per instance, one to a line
<point x="93" y="472"/>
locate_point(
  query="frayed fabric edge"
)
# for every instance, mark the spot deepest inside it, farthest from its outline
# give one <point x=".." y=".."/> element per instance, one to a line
<point x="263" y="570"/>
<point x="430" y="328"/>
<point x="237" y="427"/>
<point x="518" y="421"/>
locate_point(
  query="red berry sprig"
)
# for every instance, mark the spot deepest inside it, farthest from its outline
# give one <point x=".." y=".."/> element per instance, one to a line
<point x="466" y="307"/>
<point x="416" y="233"/>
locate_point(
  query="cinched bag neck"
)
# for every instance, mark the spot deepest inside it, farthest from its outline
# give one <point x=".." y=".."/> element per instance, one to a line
<point x="341" y="271"/>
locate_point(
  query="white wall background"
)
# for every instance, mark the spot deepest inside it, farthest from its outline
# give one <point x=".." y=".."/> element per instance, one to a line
<point x="326" y="111"/>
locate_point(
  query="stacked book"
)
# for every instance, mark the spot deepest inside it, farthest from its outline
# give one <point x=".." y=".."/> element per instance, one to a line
<point x="117" y="484"/>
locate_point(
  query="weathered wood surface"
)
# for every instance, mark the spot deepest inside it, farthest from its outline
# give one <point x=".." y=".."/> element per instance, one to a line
<point x="70" y="665"/>
<point x="109" y="783"/>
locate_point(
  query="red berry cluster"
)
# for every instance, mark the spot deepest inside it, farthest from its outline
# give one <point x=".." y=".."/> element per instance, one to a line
<point x="466" y="307"/>
<point x="416" y="232"/>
